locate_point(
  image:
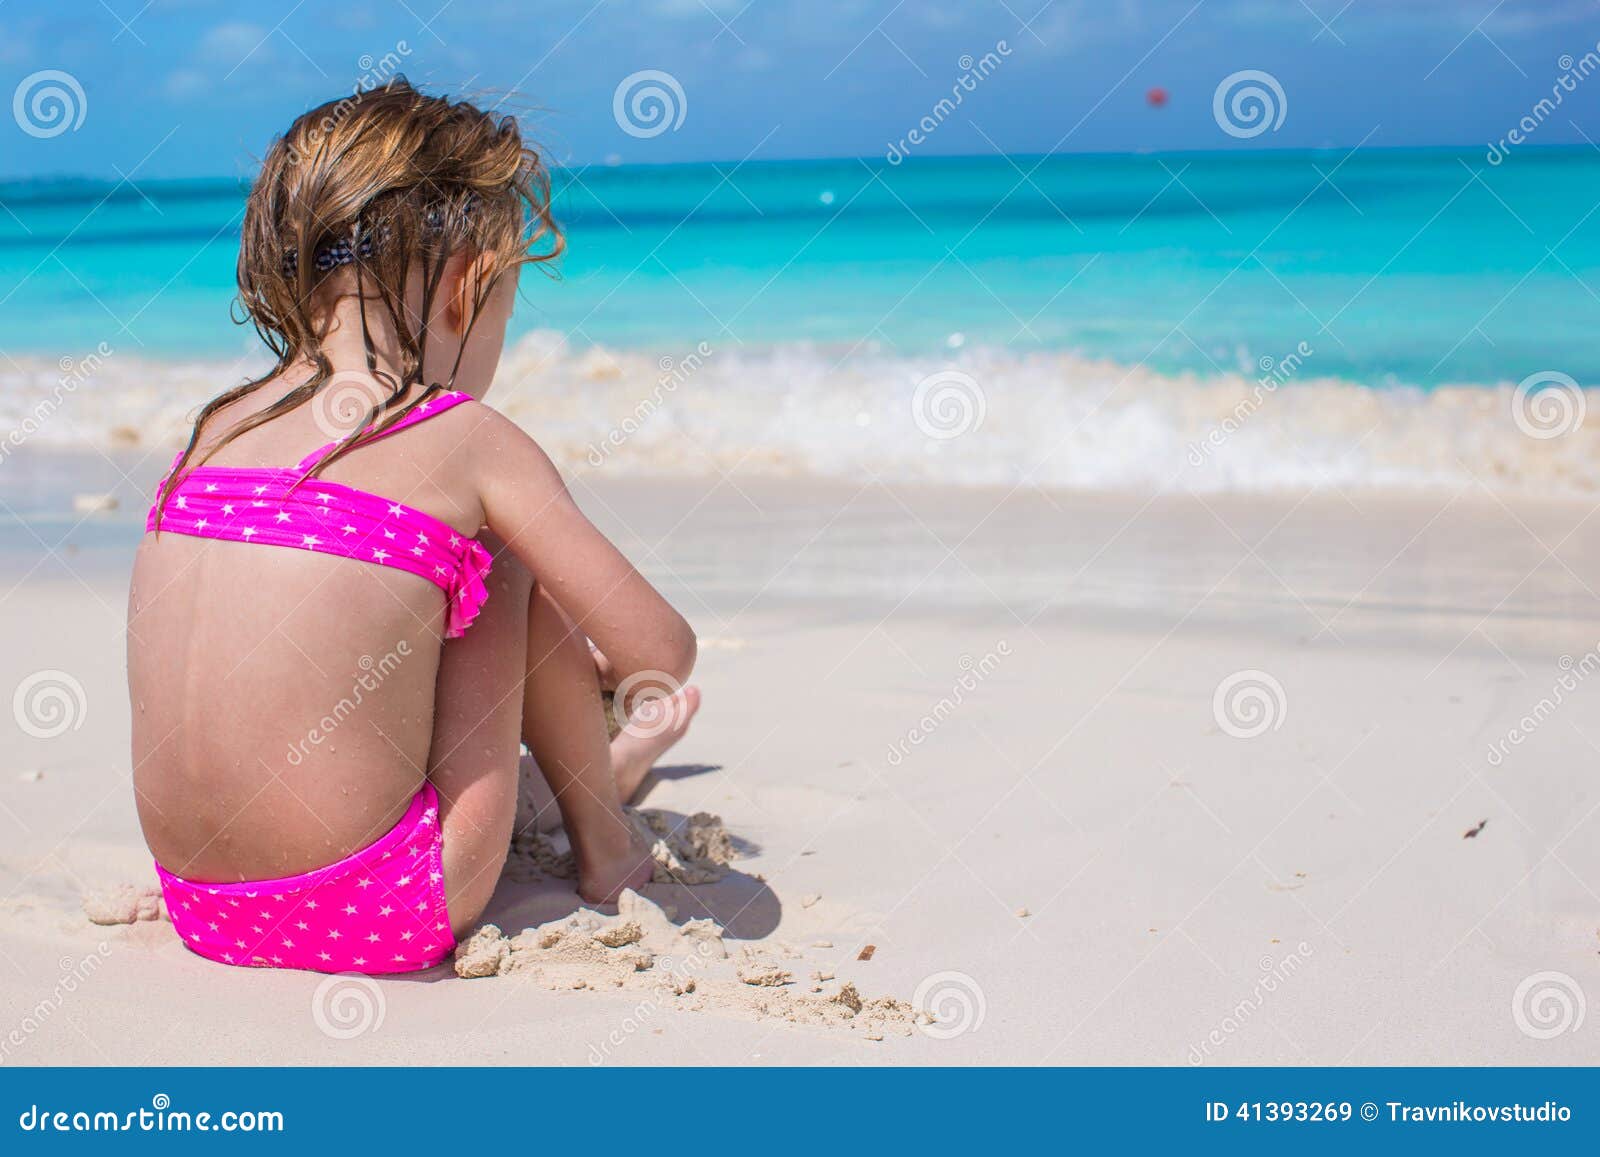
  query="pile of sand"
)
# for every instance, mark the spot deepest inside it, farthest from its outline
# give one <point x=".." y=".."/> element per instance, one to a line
<point x="692" y="850"/>
<point x="123" y="904"/>
<point x="678" y="966"/>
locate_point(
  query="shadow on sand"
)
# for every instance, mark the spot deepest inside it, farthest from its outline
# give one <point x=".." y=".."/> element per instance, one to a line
<point x="743" y="904"/>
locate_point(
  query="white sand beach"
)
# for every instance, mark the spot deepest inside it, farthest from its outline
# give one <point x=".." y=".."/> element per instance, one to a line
<point x="1099" y="778"/>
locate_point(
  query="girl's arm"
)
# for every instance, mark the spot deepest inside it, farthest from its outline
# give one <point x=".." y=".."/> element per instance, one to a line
<point x="526" y="504"/>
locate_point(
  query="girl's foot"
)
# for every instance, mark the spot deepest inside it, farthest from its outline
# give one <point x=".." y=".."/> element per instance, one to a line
<point x="603" y="876"/>
<point x="654" y="726"/>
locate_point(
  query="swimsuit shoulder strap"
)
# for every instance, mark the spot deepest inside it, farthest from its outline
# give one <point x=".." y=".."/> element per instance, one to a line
<point x="419" y="413"/>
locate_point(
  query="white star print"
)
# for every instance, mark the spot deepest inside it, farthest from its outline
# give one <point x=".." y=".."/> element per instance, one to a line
<point x="260" y="490"/>
<point x="248" y="532"/>
<point x="211" y="487"/>
<point x="364" y="883"/>
<point x="227" y="508"/>
<point x="348" y="529"/>
<point x="359" y="961"/>
<point x="385" y="910"/>
<point x="281" y="516"/>
<point x="324" y="498"/>
<point x="310" y="540"/>
<point x="183" y="503"/>
<point x="379" y="554"/>
<point x="395" y="510"/>
<point x="349" y="909"/>
<point x="390" y="535"/>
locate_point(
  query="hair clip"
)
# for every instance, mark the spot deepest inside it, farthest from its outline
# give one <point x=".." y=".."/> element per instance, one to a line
<point x="360" y="244"/>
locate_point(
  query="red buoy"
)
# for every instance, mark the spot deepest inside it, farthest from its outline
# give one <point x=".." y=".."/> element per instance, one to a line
<point x="1156" y="97"/>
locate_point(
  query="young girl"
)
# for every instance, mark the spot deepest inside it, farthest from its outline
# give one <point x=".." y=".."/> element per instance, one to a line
<point x="362" y="589"/>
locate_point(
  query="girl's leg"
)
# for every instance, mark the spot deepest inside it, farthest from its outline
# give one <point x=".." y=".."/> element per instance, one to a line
<point x="523" y="673"/>
<point x="477" y="733"/>
<point x="563" y="724"/>
<point x="634" y="751"/>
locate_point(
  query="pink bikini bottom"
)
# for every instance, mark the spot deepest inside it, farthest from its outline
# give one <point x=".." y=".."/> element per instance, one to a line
<point x="379" y="910"/>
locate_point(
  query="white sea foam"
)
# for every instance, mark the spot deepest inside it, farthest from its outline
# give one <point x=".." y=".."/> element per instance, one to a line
<point x="974" y="417"/>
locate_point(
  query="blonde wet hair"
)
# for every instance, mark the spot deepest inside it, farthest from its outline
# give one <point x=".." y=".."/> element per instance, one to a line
<point x="375" y="189"/>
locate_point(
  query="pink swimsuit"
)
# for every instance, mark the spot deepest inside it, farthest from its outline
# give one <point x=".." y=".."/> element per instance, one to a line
<point x="381" y="909"/>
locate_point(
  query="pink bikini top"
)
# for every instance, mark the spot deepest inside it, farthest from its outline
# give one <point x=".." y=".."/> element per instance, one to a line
<point x="284" y="508"/>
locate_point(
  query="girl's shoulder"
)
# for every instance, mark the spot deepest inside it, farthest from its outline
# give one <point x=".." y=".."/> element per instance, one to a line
<point x="478" y="426"/>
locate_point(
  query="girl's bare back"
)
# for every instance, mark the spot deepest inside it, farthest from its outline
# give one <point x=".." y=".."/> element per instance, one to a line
<point x="283" y="699"/>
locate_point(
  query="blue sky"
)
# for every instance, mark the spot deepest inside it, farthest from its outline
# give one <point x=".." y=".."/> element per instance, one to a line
<point x="196" y="87"/>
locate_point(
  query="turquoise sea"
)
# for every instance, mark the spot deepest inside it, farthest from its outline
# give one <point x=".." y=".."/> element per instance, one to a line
<point x="1414" y="266"/>
<point x="1400" y="270"/>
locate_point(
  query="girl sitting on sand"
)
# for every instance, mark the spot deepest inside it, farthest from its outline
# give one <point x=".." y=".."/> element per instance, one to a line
<point x="326" y="738"/>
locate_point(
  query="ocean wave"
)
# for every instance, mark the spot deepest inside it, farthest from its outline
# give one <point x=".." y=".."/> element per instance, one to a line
<point x="971" y="417"/>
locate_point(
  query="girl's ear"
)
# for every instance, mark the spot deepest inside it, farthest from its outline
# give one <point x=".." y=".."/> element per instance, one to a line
<point x="476" y="274"/>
